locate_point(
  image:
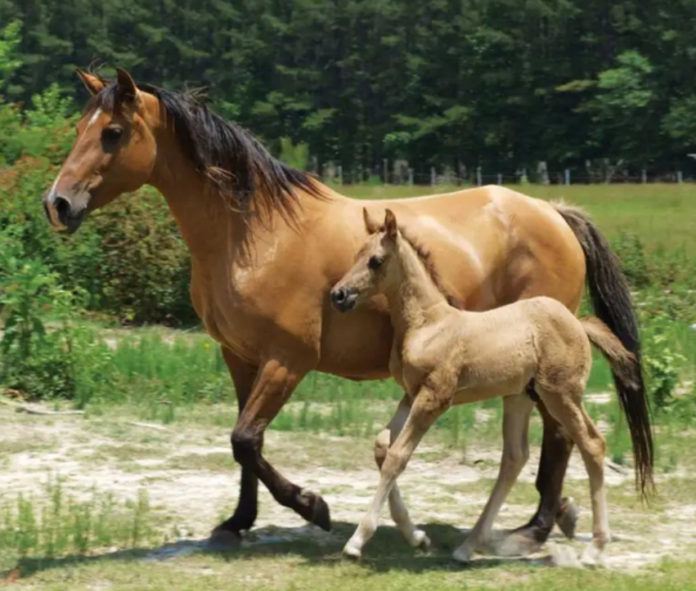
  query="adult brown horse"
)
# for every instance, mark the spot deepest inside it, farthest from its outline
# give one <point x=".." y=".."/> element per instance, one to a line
<point x="267" y="243"/>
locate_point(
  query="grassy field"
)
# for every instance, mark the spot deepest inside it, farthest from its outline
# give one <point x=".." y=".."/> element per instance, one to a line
<point x="123" y="496"/>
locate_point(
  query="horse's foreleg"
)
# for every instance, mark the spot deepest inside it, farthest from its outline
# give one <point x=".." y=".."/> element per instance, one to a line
<point x="516" y="411"/>
<point x="243" y="376"/>
<point x="273" y="386"/>
<point x="397" y="508"/>
<point x="555" y="452"/>
<point x="426" y="407"/>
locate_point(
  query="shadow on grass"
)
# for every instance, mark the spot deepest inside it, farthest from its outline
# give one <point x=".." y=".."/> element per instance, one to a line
<point x="386" y="551"/>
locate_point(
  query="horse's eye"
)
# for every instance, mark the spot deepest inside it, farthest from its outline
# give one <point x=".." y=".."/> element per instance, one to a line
<point x="111" y="135"/>
<point x="375" y="262"/>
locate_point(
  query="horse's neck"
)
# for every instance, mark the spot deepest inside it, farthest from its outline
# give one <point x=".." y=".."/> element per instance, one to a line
<point x="205" y="220"/>
<point x="415" y="300"/>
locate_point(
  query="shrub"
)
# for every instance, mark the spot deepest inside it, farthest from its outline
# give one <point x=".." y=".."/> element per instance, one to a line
<point x="129" y="257"/>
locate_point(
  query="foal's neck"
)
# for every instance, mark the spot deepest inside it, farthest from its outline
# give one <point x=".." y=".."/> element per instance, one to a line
<point x="416" y="299"/>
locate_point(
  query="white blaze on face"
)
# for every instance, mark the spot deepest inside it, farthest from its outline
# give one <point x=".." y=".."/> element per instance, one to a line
<point x="94" y="117"/>
<point x="52" y="192"/>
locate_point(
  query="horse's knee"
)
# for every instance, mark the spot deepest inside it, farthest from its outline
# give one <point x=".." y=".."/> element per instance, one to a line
<point x="245" y="446"/>
<point x="382" y="442"/>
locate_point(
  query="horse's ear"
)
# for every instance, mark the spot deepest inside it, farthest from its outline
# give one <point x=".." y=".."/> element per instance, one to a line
<point x="371" y="225"/>
<point x="92" y="83"/>
<point x="127" y="90"/>
<point x="390" y="226"/>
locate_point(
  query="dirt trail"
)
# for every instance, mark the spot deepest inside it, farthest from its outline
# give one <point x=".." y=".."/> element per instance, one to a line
<point x="190" y="476"/>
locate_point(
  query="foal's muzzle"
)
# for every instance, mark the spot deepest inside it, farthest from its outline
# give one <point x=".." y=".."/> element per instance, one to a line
<point x="344" y="298"/>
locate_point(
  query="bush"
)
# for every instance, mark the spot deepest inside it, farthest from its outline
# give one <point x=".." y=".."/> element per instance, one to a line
<point x="129" y="257"/>
<point x="34" y="360"/>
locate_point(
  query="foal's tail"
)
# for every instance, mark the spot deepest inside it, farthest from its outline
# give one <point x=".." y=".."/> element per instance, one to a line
<point x="624" y="364"/>
<point x="611" y="301"/>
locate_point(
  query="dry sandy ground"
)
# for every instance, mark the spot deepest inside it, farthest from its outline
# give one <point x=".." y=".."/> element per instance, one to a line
<point x="190" y="476"/>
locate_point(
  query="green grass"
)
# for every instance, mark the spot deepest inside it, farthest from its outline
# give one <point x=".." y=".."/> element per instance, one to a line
<point x="177" y="378"/>
<point x="53" y="524"/>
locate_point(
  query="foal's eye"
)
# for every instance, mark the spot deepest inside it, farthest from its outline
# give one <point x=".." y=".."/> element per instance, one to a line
<point x="111" y="135"/>
<point x="375" y="262"/>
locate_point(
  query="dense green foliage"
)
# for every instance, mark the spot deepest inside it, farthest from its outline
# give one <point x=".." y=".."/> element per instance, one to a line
<point x="494" y="83"/>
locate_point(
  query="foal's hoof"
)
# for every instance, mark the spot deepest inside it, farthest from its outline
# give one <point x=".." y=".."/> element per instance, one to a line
<point x="516" y="543"/>
<point x="352" y="551"/>
<point x="592" y="555"/>
<point x="567" y="517"/>
<point x="463" y="553"/>
<point x="223" y="539"/>
<point x="420" y="539"/>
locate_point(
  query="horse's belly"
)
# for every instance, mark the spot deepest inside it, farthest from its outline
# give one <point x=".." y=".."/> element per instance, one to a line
<point x="356" y="344"/>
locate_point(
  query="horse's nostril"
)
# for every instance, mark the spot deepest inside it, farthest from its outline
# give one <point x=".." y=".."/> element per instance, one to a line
<point x="339" y="295"/>
<point x="63" y="207"/>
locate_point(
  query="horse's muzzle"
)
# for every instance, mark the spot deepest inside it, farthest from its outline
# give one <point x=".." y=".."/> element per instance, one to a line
<point x="344" y="299"/>
<point x="62" y="214"/>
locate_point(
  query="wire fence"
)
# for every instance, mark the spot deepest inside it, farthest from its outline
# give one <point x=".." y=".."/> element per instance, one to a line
<point x="405" y="175"/>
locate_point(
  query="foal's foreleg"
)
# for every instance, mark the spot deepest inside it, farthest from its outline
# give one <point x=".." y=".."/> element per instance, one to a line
<point x="426" y="407"/>
<point x="516" y="411"/>
<point x="399" y="513"/>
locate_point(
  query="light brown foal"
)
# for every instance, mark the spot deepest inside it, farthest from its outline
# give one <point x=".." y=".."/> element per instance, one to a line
<point x="443" y="356"/>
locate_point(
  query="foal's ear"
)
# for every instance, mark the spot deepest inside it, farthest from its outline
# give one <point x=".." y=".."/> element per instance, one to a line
<point x="94" y="84"/>
<point x="390" y="223"/>
<point x="371" y="225"/>
<point x="127" y="90"/>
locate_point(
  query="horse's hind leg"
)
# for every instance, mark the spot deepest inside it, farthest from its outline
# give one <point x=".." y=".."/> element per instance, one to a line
<point x="516" y="411"/>
<point x="568" y="410"/>
<point x="399" y="513"/>
<point x="427" y="406"/>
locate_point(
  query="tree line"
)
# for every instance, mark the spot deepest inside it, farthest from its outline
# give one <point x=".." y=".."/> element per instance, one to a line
<point x="456" y="84"/>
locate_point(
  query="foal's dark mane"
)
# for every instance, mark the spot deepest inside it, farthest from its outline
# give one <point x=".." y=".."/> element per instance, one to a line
<point x="427" y="261"/>
<point x="235" y="162"/>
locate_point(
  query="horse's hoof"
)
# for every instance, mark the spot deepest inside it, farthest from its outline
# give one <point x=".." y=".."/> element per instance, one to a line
<point x="352" y="551"/>
<point x="567" y="517"/>
<point x="223" y="539"/>
<point x="321" y="515"/>
<point x="420" y="539"/>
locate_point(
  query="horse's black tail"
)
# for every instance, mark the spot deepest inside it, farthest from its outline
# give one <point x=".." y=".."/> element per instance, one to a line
<point x="611" y="301"/>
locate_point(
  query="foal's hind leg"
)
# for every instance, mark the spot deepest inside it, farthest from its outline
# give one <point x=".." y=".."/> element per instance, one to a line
<point x="568" y="410"/>
<point x="399" y="513"/>
<point x="516" y="411"/>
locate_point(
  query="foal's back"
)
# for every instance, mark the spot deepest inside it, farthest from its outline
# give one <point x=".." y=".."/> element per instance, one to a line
<point x="497" y="352"/>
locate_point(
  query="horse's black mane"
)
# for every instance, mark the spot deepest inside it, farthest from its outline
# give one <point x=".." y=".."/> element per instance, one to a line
<point x="237" y="164"/>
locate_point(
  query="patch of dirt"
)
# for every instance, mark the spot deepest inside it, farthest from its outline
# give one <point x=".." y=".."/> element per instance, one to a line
<point x="440" y="485"/>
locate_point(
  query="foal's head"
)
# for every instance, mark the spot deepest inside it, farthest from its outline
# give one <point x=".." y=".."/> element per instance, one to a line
<point x="373" y="271"/>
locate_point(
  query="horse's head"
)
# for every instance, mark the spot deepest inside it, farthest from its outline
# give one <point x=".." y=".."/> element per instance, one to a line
<point x="373" y="270"/>
<point x="114" y="152"/>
